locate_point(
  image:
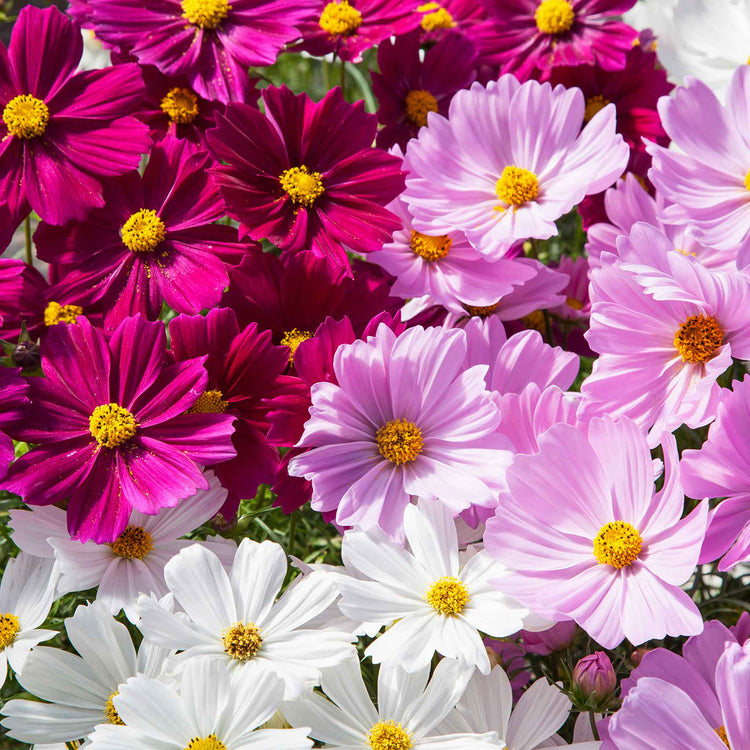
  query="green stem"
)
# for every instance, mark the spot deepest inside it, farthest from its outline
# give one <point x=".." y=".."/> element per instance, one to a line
<point x="27" y="231"/>
<point x="292" y="532"/>
<point x="592" y="721"/>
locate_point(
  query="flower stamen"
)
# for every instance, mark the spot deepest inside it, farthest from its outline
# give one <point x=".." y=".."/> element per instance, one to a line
<point x="293" y="339"/>
<point x="481" y="311"/>
<point x="417" y="105"/>
<point x="698" y="338"/>
<point x="340" y="18"/>
<point x="430" y="248"/>
<point x="209" y="402"/>
<point x="180" y="105"/>
<point x="110" y="712"/>
<point x="9" y="629"/>
<point x="56" y="313"/>
<point x="143" y="232"/>
<point x="389" y="735"/>
<point x="399" y="441"/>
<point x="111" y="425"/>
<point x="26" y="117"/>
<point x="242" y="641"/>
<point x="435" y="17"/>
<point x="301" y="185"/>
<point x="517" y="186"/>
<point x="206" y="14"/>
<point x="618" y="544"/>
<point x="133" y="544"/>
<point x="594" y="105"/>
<point x="210" y="742"/>
<point x="448" y="596"/>
<point x="554" y="16"/>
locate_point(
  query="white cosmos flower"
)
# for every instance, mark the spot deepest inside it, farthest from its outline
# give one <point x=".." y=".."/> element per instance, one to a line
<point x="26" y="595"/>
<point x="486" y="706"/>
<point x="79" y="688"/>
<point x="134" y="563"/>
<point x="438" y="603"/>
<point x="408" y="709"/>
<point x="214" y="710"/>
<point x="233" y="617"/>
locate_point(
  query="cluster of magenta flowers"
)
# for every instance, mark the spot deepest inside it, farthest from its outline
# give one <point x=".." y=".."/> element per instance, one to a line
<point x="464" y="339"/>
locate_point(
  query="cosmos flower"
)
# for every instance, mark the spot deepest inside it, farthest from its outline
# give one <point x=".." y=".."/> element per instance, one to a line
<point x="62" y="132"/>
<point x="509" y="161"/>
<point x="155" y="241"/>
<point x="308" y="177"/>
<point x="212" y="42"/>
<point x="590" y="540"/>
<point x="113" y="433"/>
<point x="405" y="419"/>
<point x="12" y="409"/>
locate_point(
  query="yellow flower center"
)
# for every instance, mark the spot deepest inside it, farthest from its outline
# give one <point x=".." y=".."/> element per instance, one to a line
<point x="747" y="176"/>
<point x="517" y="186"/>
<point x="111" y="425"/>
<point x="435" y="17"/>
<point x="698" y="338"/>
<point x="56" y="313"/>
<point x="430" y="248"/>
<point x="302" y="186"/>
<point x="180" y="105"/>
<point x="26" y="117"/>
<point x="722" y="732"/>
<point x="209" y="402"/>
<point x="340" y="19"/>
<point x="133" y="544"/>
<point x="417" y="105"/>
<point x="447" y="595"/>
<point x="594" y="105"/>
<point x="535" y="320"/>
<point x="554" y="16"/>
<point x="388" y="735"/>
<point x="110" y="713"/>
<point x="576" y="304"/>
<point x="206" y="743"/>
<point x="617" y="544"/>
<point x="293" y="339"/>
<point x="481" y="311"/>
<point x="143" y="232"/>
<point x="9" y="627"/>
<point x="242" y="640"/>
<point x="399" y="441"/>
<point x="207" y="14"/>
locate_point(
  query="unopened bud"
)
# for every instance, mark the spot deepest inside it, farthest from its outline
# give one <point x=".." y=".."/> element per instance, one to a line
<point x="26" y="355"/>
<point x="594" y="680"/>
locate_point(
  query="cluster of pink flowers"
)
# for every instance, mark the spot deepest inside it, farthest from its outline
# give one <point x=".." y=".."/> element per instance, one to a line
<point x="493" y="330"/>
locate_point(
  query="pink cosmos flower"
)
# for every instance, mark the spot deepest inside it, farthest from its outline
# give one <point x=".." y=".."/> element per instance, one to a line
<point x="708" y="179"/>
<point x="212" y="42"/>
<point x="720" y="469"/>
<point x="664" y="332"/>
<point x="588" y="539"/>
<point x="62" y="132"/>
<point x="509" y="161"/>
<point x="113" y="430"/>
<point x="406" y="419"/>
<point x="577" y="303"/>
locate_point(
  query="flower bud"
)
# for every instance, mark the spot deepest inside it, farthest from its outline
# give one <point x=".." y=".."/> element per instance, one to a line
<point x="594" y="680"/>
<point x="26" y="354"/>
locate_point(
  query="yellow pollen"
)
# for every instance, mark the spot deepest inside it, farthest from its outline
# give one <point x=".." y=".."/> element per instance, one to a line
<point x="684" y="252"/>
<point x="481" y="311"/>
<point x="209" y="402"/>
<point x="594" y="105"/>
<point x="340" y="19"/>
<point x="180" y="105"/>
<point x="206" y="743"/>
<point x="747" y="176"/>
<point x="698" y="338"/>
<point x="207" y="14"/>
<point x="722" y="732"/>
<point x="517" y="186"/>
<point x="435" y="17"/>
<point x="143" y="232"/>
<point x="26" y="117"/>
<point x="535" y="320"/>
<point x="388" y="735"/>
<point x="417" y="105"/>
<point x="293" y="339"/>
<point x="111" y="425"/>
<point x="399" y="441"/>
<point x="430" y="248"/>
<point x="242" y="640"/>
<point x="9" y="627"/>
<point x="302" y="186"/>
<point x="133" y="544"/>
<point x="56" y="313"/>
<point x="576" y="304"/>
<point x="618" y="544"/>
<point x="554" y="16"/>
<point x="447" y="595"/>
<point x="110" y="713"/>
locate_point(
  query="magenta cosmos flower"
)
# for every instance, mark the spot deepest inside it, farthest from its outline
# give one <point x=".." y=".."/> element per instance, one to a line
<point x="212" y="42"/>
<point x="509" y="161"/>
<point x="62" y="132"/>
<point x="406" y="419"/>
<point x="708" y="179"/>
<point x="540" y="34"/>
<point x="244" y="377"/>
<point x="409" y="88"/>
<point x="12" y="410"/>
<point x="304" y="175"/>
<point x="348" y="28"/>
<point x="664" y="332"/>
<point x="153" y="242"/>
<point x="720" y="469"/>
<point x="114" y="430"/>
<point x="585" y="537"/>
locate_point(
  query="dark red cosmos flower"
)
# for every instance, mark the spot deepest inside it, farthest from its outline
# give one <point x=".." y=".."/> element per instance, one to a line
<point x="304" y="174"/>
<point x="244" y="380"/>
<point x="62" y="132"/>
<point x="409" y="88"/>
<point x="113" y="428"/>
<point x="12" y="408"/>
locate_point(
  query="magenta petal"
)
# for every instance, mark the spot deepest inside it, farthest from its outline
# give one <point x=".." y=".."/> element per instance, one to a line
<point x="205" y="438"/>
